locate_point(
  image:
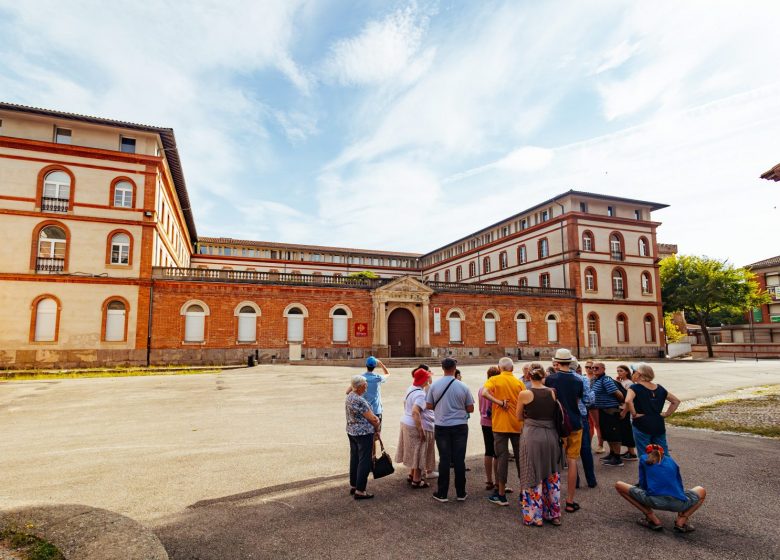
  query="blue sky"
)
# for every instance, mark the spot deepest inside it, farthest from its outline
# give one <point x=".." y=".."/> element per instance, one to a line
<point x="405" y="125"/>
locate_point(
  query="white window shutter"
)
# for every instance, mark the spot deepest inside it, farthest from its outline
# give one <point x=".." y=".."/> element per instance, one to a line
<point x="193" y="326"/>
<point x="295" y="328"/>
<point x="115" y="325"/>
<point x="522" y="330"/>
<point x="247" y="327"/>
<point x="552" y="331"/>
<point x="490" y="330"/>
<point x="454" y="330"/>
<point x="46" y="320"/>
<point x="621" y="331"/>
<point x="339" y="329"/>
<point x="649" y="331"/>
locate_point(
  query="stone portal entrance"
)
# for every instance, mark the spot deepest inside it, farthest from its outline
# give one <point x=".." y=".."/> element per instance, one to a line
<point x="401" y="333"/>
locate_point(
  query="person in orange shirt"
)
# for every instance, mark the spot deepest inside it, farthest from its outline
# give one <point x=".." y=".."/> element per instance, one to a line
<point x="502" y="390"/>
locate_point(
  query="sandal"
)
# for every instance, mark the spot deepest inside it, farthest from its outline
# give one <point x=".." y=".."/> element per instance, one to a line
<point x="365" y="496"/>
<point x="683" y="528"/>
<point x="571" y="507"/>
<point x="556" y="521"/>
<point x="645" y="522"/>
<point x="352" y="491"/>
<point x="420" y="484"/>
<point x="489" y="485"/>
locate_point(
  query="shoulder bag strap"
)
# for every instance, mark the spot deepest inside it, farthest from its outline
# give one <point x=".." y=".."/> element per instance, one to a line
<point x="410" y="392"/>
<point x="442" y="393"/>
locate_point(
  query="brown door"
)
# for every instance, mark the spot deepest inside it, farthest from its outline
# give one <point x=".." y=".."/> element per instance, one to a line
<point x="400" y="333"/>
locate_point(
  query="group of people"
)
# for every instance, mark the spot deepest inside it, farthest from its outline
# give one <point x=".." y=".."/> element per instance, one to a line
<point x="548" y="416"/>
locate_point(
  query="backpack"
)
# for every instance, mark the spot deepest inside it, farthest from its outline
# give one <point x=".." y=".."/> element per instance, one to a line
<point x="562" y="421"/>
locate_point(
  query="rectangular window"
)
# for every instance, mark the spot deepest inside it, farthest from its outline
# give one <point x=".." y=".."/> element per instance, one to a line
<point x="454" y="325"/>
<point x="127" y="145"/>
<point x="490" y="330"/>
<point x="638" y="214"/>
<point x="544" y="280"/>
<point x="545" y="215"/>
<point x="584" y="207"/>
<point x="62" y="135"/>
<point x="115" y="325"/>
<point x="621" y="331"/>
<point x="340" y="329"/>
<point x="610" y="211"/>
<point x="523" y="223"/>
<point x="522" y="330"/>
<point x="295" y="328"/>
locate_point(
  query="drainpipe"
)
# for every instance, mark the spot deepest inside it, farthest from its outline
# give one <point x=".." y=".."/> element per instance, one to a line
<point x="149" y="326"/>
<point x="577" y="324"/>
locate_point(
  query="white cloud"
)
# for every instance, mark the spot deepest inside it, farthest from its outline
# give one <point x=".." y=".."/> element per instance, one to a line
<point x="382" y="51"/>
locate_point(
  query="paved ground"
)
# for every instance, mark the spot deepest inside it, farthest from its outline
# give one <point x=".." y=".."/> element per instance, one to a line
<point x="149" y="447"/>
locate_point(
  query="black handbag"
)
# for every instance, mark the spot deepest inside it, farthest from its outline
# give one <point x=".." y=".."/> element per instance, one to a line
<point x="383" y="465"/>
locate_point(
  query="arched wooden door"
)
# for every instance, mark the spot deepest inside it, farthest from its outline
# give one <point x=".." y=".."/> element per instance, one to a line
<point x="400" y="333"/>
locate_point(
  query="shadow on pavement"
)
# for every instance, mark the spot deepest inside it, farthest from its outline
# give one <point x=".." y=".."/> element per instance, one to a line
<point x="307" y="520"/>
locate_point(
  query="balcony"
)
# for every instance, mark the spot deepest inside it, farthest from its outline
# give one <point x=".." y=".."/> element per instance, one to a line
<point x="55" y="204"/>
<point x="616" y="255"/>
<point x="255" y="277"/>
<point x="47" y="265"/>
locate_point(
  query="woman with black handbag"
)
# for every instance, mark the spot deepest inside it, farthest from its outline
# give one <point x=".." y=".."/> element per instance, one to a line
<point x="362" y="424"/>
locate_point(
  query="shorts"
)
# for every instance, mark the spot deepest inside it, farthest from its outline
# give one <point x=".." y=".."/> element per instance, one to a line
<point x="664" y="503"/>
<point x="572" y="444"/>
<point x="487" y="435"/>
<point x="611" y="427"/>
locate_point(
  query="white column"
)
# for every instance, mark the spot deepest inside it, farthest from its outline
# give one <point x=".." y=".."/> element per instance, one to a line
<point x="426" y="330"/>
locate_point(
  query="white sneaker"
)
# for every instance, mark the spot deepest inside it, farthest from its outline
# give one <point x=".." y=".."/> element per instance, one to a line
<point x="432" y="474"/>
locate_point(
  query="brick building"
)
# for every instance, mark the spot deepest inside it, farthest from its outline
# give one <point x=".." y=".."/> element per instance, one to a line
<point x="103" y="265"/>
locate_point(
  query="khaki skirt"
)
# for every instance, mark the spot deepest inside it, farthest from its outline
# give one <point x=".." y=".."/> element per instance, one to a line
<point x="414" y="452"/>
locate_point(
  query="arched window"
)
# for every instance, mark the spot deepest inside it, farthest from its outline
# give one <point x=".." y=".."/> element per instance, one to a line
<point x="436" y="277"/>
<point x="472" y="269"/>
<point x="522" y="254"/>
<point x="447" y="275"/>
<point x="247" y="313"/>
<point x="593" y="331"/>
<point x="644" y="247"/>
<point x="552" y="328"/>
<point x="52" y="249"/>
<point x="46" y="319"/>
<point x="454" y="317"/>
<point x="523" y="282"/>
<point x="587" y="241"/>
<point x="122" y="194"/>
<point x="121" y="244"/>
<point x="195" y="322"/>
<point x="544" y="280"/>
<point x="115" y="317"/>
<point x="622" y="328"/>
<point x="522" y="326"/>
<point x="616" y="250"/>
<point x="485" y="265"/>
<point x="458" y="273"/>
<point x="649" y="328"/>
<point x="295" y="314"/>
<point x="544" y="248"/>
<point x="647" y="285"/>
<point x="503" y="261"/>
<point x="591" y="280"/>
<point x="490" y="318"/>
<point x="618" y="284"/>
<point x="56" y="191"/>
<point x="340" y="315"/>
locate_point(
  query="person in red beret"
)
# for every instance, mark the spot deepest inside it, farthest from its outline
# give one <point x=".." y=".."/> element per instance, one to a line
<point x="416" y="439"/>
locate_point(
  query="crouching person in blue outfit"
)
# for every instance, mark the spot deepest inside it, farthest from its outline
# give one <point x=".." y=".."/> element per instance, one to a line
<point x="660" y="487"/>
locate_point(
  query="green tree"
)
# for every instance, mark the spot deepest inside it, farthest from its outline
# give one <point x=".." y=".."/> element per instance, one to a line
<point x="704" y="288"/>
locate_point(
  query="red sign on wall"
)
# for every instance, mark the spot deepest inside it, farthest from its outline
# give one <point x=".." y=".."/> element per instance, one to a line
<point x="361" y="329"/>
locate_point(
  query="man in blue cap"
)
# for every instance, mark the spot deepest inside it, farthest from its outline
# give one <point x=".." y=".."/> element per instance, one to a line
<point x="373" y="394"/>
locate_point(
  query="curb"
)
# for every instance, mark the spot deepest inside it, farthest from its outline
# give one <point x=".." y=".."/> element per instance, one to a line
<point x="86" y="533"/>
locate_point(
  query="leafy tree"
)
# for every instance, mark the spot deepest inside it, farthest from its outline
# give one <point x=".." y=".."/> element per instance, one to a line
<point x="704" y="288"/>
<point x="363" y="274"/>
<point x="673" y="333"/>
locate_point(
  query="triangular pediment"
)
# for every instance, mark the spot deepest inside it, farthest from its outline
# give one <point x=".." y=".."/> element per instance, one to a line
<point x="405" y="284"/>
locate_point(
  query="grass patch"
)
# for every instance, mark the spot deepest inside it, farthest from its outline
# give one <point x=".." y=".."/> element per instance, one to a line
<point x="759" y="415"/>
<point x="27" y="375"/>
<point x="30" y="547"/>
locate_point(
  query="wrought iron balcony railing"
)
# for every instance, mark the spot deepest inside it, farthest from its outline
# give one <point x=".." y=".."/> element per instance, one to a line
<point x="54" y="204"/>
<point x="49" y="265"/>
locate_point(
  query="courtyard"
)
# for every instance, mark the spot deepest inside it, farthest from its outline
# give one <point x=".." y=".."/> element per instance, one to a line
<point x="257" y="456"/>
